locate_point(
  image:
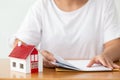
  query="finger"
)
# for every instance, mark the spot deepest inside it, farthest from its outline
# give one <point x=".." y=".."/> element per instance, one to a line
<point x="102" y="61"/>
<point x="116" y="66"/>
<point x="46" y="63"/>
<point x="48" y="56"/>
<point x="52" y="65"/>
<point x="109" y="63"/>
<point x="91" y="62"/>
<point x="49" y="65"/>
<point x="98" y="60"/>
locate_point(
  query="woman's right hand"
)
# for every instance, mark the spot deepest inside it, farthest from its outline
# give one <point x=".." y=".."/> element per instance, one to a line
<point x="48" y="58"/>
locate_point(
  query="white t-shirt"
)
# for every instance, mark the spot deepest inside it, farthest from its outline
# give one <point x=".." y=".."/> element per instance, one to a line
<point x="78" y="34"/>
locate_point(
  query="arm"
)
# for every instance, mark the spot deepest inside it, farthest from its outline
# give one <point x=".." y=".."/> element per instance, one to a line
<point x="112" y="49"/>
<point x="111" y="32"/>
<point x="30" y="31"/>
<point x="110" y="54"/>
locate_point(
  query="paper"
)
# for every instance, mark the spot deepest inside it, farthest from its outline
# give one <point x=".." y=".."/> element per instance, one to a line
<point x="80" y="65"/>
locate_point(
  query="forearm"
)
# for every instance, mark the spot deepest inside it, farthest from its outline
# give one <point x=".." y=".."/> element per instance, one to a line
<point x="113" y="50"/>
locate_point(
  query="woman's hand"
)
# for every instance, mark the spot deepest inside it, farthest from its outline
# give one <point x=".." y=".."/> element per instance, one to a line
<point x="48" y="58"/>
<point x="110" y="54"/>
<point x="103" y="59"/>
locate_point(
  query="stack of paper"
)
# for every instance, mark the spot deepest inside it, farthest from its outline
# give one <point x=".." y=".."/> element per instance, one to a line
<point x="79" y="65"/>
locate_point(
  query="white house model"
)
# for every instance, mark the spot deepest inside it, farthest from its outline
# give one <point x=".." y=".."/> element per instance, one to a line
<point x="26" y="59"/>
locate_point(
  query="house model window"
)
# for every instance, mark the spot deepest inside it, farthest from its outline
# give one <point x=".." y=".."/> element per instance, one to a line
<point x="14" y="64"/>
<point x="21" y="66"/>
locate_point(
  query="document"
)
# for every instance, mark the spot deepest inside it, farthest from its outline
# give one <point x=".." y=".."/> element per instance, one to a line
<point x="79" y="65"/>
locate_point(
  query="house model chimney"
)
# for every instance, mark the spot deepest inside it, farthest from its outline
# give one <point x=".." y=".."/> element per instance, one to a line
<point x="19" y="43"/>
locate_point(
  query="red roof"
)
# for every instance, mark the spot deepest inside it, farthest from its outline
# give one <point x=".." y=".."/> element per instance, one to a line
<point x="23" y="51"/>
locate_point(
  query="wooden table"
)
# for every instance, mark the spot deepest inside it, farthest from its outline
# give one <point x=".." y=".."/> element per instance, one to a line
<point x="51" y="74"/>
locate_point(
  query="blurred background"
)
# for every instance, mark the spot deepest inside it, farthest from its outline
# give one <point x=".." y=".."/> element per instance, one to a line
<point x="12" y="13"/>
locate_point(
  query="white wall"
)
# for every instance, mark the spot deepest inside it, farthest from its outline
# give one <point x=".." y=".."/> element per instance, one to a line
<point x="12" y="12"/>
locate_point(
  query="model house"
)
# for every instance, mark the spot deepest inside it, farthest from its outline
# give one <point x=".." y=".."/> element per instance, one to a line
<point x="26" y="59"/>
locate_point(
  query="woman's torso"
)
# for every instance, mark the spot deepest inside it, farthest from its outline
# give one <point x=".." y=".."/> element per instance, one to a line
<point x="77" y="34"/>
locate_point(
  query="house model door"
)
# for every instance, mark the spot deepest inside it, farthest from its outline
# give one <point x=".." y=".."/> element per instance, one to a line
<point x="34" y="63"/>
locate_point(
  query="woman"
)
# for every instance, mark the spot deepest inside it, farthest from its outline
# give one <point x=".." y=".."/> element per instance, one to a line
<point x="73" y="29"/>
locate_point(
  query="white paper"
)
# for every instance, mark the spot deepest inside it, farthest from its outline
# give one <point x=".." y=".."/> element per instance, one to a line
<point x="80" y="65"/>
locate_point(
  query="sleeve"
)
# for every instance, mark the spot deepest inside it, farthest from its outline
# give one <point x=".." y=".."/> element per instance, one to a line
<point x="30" y="30"/>
<point x="111" y="24"/>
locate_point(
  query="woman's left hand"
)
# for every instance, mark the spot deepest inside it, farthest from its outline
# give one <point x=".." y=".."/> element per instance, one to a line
<point x="104" y="60"/>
